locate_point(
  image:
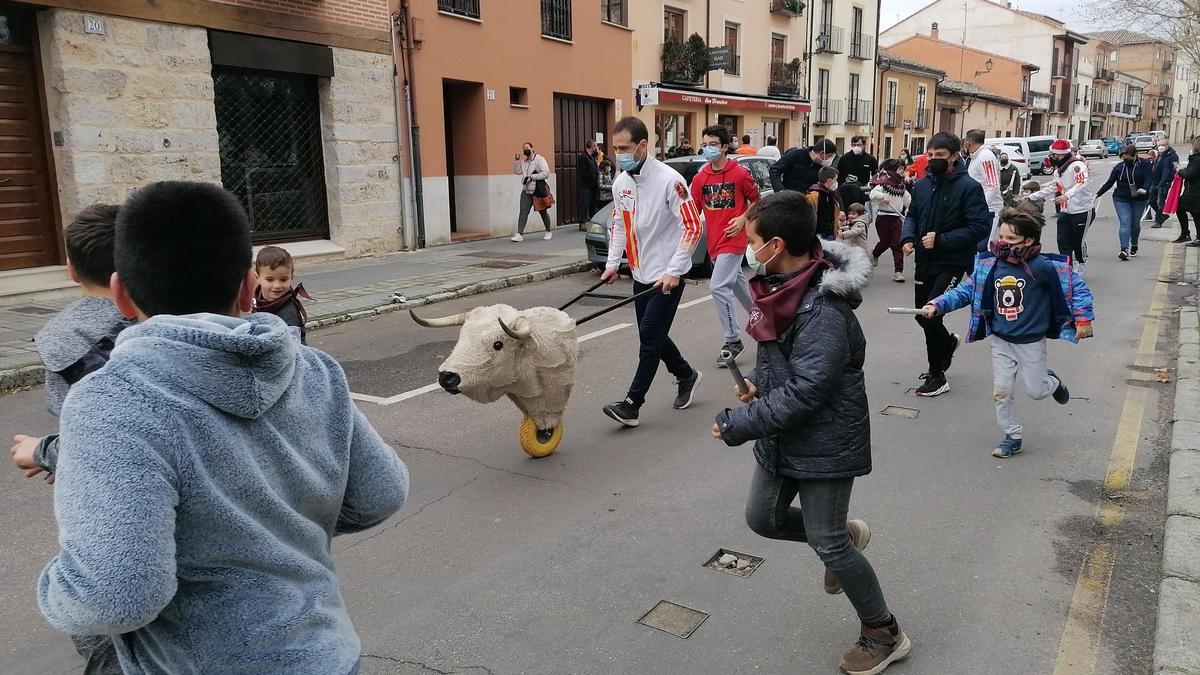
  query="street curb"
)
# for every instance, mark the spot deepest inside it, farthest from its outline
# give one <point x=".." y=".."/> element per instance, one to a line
<point x="1175" y="647"/>
<point x="29" y="376"/>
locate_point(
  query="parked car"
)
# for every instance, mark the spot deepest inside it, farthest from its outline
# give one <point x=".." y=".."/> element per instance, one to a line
<point x="1035" y="149"/>
<point x="1144" y="143"/>
<point x="596" y="239"/>
<point x="1016" y="157"/>
<point x="1113" y="144"/>
<point x="1093" y="148"/>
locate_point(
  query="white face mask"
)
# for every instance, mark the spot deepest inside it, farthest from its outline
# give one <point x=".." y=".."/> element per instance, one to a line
<point x="856" y="149"/>
<point x="828" y="161"/>
<point x="760" y="268"/>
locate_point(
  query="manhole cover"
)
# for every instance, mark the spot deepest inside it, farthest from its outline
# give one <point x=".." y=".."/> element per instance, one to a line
<point x="501" y="255"/>
<point x="675" y="619"/>
<point x="900" y="411"/>
<point x="732" y="562"/>
<point x="39" y="311"/>
<point x="499" y="264"/>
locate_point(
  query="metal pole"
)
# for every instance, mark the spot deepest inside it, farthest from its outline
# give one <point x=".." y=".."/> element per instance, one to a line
<point x="403" y="229"/>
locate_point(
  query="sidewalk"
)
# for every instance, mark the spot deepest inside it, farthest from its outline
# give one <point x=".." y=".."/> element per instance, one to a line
<point x="349" y="289"/>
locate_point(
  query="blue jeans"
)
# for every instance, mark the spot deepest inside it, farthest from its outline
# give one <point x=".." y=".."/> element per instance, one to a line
<point x="821" y="523"/>
<point x="1130" y="216"/>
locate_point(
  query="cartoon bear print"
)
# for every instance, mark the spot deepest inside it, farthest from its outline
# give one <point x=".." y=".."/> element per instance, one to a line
<point x="1010" y="297"/>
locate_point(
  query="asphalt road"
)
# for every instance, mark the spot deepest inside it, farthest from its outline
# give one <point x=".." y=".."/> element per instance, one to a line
<point x="504" y="564"/>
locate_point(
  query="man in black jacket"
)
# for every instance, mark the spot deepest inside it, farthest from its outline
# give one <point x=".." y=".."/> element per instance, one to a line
<point x="797" y="169"/>
<point x="946" y="223"/>
<point x="855" y="171"/>
<point x="587" y="173"/>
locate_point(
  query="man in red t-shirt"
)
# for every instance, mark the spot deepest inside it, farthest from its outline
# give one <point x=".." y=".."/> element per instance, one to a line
<point x="724" y="190"/>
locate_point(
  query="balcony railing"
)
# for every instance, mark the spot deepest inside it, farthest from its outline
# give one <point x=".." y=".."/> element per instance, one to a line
<point x="1061" y="70"/>
<point x="830" y="39"/>
<point x="1105" y="74"/>
<point x="858" y="111"/>
<point x="789" y="8"/>
<point x="460" y="7"/>
<point x="828" y="112"/>
<point x="680" y="65"/>
<point x="1101" y="108"/>
<point x="893" y="116"/>
<point x="862" y="46"/>
<point x="785" y="78"/>
<point x="1167" y="65"/>
<point x="924" y="118"/>
<point x="556" y="19"/>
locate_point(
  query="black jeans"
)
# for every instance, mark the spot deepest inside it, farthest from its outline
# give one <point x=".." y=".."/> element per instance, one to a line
<point x="587" y="205"/>
<point x="821" y="523"/>
<point x="655" y="314"/>
<point x="1158" y="197"/>
<point x="1184" y="228"/>
<point x="939" y="345"/>
<point x="1071" y="228"/>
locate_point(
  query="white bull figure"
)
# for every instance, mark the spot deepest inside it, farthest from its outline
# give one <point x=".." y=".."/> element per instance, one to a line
<point x="528" y="355"/>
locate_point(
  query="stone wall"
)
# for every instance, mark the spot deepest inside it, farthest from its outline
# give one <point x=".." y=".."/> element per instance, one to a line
<point x="133" y="106"/>
<point x="358" y="119"/>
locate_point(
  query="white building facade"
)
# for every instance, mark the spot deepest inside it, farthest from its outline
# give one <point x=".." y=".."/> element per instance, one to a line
<point x="842" y="69"/>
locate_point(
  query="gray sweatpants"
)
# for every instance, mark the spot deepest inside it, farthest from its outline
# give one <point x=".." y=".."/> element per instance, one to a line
<point x="727" y="284"/>
<point x="1009" y="359"/>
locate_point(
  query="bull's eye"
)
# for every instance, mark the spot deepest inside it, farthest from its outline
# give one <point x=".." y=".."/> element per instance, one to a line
<point x="497" y="345"/>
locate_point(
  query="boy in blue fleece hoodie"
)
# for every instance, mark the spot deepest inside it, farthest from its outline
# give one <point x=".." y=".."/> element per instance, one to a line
<point x="204" y="471"/>
<point x="1020" y="297"/>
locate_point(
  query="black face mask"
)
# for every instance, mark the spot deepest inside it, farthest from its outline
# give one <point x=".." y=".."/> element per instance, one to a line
<point x="1004" y="162"/>
<point x="528" y="153"/>
<point x="939" y="167"/>
<point x="1129" y="161"/>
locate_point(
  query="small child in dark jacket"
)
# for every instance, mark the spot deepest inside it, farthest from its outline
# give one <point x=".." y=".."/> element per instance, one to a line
<point x="75" y="343"/>
<point x="1020" y="297"/>
<point x="806" y="408"/>
<point x="275" y="294"/>
<point x="826" y="203"/>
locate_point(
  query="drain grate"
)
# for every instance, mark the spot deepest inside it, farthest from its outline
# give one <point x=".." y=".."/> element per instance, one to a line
<point x="900" y="411"/>
<point x="36" y="311"/>
<point x="499" y="264"/>
<point x="732" y="562"/>
<point x="675" y="619"/>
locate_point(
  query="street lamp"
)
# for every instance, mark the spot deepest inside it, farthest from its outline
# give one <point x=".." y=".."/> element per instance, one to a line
<point x="987" y="68"/>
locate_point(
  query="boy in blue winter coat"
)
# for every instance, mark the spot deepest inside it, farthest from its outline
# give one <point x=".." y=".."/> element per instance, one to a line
<point x="1021" y="296"/>
<point x="203" y="472"/>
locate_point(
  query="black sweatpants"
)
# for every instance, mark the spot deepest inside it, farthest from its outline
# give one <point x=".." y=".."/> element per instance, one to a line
<point x="655" y="314"/>
<point x="939" y="346"/>
<point x="1071" y="228"/>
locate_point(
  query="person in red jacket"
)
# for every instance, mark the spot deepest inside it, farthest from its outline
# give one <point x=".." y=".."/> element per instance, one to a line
<point x="724" y="190"/>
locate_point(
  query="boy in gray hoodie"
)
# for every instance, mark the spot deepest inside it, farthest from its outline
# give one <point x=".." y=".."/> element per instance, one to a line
<point x="204" y="471"/>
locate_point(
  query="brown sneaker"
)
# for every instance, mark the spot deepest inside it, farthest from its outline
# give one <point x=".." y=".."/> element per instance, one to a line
<point x="860" y="534"/>
<point x="876" y="649"/>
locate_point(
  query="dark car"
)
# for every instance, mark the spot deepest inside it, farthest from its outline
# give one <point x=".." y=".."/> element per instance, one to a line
<point x="597" y="234"/>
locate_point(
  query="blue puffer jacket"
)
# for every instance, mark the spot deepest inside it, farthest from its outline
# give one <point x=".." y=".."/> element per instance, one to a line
<point x="954" y="207"/>
<point x="811" y="418"/>
<point x="1074" y="305"/>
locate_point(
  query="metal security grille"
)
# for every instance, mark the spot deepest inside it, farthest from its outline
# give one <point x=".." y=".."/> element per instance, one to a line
<point x="269" y="131"/>
<point x="556" y="19"/>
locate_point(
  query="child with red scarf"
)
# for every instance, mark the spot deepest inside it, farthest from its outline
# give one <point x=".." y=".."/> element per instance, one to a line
<point x="1021" y="296"/>
<point x="826" y="203"/>
<point x="275" y="294"/>
<point x="806" y="409"/>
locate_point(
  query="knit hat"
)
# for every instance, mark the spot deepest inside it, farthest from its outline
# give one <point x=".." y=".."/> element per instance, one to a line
<point x="1060" y="147"/>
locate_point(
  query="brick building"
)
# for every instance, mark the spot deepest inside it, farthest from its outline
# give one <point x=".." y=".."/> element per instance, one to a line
<point x="1149" y="59"/>
<point x="290" y="104"/>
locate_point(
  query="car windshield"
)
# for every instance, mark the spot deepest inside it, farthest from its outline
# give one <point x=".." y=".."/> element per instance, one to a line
<point x="1039" y="146"/>
<point x="1091" y="143"/>
<point x="1144" y="139"/>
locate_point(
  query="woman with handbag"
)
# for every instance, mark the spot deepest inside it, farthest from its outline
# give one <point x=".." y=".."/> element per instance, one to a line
<point x="535" y="193"/>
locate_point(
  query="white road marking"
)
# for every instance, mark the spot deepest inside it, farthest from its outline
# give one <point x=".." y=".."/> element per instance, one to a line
<point x="392" y="400"/>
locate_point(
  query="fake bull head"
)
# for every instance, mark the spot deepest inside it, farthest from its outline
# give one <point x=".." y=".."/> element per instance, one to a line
<point x="528" y="355"/>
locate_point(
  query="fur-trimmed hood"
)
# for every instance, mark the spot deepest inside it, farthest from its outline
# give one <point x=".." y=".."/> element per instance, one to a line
<point x="851" y="271"/>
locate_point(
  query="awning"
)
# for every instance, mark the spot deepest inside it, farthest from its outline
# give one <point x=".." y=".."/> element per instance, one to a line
<point x="652" y="95"/>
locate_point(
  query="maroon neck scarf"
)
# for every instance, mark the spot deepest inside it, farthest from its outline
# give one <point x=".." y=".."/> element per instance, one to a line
<point x="775" y="305"/>
<point x="890" y="182"/>
<point x="273" y="306"/>
<point x="1017" y="255"/>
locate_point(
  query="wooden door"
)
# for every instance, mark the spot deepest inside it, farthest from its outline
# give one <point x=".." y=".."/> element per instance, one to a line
<point x="576" y="120"/>
<point x="28" y="229"/>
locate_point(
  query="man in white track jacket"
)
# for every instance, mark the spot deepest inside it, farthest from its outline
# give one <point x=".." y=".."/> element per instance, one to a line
<point x="985" y="169"/>
<point x="656" y="225"/>
<point x="1075" y="198"/>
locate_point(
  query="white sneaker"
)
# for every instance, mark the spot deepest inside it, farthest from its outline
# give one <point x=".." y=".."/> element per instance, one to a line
<point x="517" y="237"/>
<point x="549" y="236"/>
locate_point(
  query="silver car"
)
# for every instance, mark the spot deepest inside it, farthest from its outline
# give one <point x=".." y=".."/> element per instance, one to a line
<point x="1093" y="148"/>
<point x="596" y="239"/>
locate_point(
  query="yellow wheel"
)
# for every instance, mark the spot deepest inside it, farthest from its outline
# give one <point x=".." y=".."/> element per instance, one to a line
<point x="537" y="443"/>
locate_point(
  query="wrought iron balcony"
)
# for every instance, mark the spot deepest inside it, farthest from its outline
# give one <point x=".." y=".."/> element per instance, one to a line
<point x="460" y="7"/>
<point x="785" y="78"/>
<point x="830" y="39"/>
<point x="924" y="118"/>
<point x="789" y="8"/>
<point x="827" y="112"/>
<point x="862" y="46"/>
<point x="893" y="116"/>
<point x="858" y="111"/>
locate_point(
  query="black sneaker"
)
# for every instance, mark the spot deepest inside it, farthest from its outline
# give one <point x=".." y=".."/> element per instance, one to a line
<point x="1182" y="239"/>
<point x="953" y="348"/>
<point x="734" y="348"/>
<point x="1061" y="394"/>
<point x="624" y="412"/>
<point x="934" y="385"/>
<point x="1123" y="255"/>
<point x="1195" y="243"/>
<point x="687" y="390"/>
<point x="1133" y="251"/>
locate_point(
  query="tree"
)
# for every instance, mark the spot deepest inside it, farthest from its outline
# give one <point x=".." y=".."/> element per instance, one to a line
<point x="1175" y="22"/>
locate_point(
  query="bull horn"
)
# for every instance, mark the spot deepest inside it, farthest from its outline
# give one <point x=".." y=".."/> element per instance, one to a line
<point x="443" y="322"/>
<point x="520" y="330"/>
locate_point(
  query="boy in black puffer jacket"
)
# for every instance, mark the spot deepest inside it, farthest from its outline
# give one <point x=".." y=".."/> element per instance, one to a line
<point x="807" y="410"/>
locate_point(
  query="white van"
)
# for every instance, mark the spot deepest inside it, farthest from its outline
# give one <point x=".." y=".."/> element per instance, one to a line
<point x="1034" y="148"/>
